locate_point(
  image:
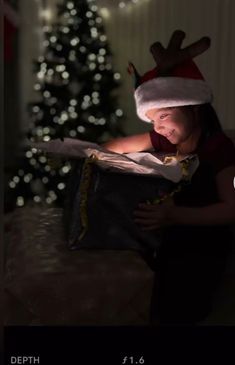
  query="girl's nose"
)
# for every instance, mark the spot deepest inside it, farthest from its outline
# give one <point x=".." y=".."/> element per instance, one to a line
<point x="158" y="128"/>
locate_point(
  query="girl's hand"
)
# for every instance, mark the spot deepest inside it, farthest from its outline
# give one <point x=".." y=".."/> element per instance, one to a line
<point x="153" y="216"/>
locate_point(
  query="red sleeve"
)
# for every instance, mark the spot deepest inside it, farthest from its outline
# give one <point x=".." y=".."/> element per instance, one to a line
<point x="221" y="152"/>
<point x="155" y="140"/>
<point x="161" y="143"/>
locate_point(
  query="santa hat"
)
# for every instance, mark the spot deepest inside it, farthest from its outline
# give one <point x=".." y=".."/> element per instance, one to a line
<point x="183" y="85"/>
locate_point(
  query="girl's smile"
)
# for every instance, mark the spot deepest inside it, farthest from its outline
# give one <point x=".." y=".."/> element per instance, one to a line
<point x="168" y="136"/>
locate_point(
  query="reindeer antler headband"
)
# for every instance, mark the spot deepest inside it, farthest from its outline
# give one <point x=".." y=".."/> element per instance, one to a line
<point x="176" y="81"/>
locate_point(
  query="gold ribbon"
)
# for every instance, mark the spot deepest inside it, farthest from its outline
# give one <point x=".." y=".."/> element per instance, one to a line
<point x="185" y="178"/>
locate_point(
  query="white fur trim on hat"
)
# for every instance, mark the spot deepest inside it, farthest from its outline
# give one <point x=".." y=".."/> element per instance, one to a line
<point x="163" y="92"/>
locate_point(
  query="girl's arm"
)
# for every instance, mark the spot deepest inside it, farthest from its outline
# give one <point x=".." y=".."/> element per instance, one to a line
<point x="220" y="213"/>
<point x="136" y="143"/>
<point x="154" y="216"/>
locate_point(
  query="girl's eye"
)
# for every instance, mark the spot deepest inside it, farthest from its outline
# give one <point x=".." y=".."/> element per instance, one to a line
<point x="163" y="116"/>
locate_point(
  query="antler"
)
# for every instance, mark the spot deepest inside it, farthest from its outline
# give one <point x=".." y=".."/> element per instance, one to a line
<point x="173" y="54"/>
<point x="131" y="69"/>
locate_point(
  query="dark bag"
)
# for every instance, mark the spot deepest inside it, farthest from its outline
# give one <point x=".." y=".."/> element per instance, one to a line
<point x="100" y="204"/>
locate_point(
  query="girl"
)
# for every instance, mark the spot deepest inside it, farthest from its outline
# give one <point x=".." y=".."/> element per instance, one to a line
<point x="196" y="236"/>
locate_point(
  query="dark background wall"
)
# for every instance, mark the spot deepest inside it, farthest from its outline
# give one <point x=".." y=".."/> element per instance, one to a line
<point x="12" y="112"/>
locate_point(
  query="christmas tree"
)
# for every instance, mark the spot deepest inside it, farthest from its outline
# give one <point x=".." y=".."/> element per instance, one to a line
<point x="76" y="86"/>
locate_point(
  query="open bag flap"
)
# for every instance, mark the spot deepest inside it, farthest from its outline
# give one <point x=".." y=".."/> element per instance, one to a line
<point x="144" y="163"/>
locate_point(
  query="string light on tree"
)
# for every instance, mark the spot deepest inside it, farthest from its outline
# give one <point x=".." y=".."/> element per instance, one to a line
<point x="70" y="5"/>
<point x="123" y="4"/>
<point x="46" y="15"/>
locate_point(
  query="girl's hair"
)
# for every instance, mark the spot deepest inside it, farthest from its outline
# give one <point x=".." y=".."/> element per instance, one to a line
<point x="207" y="117"/>
<point x="209" y="120"/>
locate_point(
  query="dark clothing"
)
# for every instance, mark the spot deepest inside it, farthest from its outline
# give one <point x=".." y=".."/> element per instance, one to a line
<point x="215" y="153"/>
<point x="188" y="269"/>
<point x="191" y="259"/>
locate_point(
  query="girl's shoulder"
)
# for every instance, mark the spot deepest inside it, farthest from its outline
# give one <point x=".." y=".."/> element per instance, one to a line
<point x="219" y="150"/>
<point x="214" y="142"/>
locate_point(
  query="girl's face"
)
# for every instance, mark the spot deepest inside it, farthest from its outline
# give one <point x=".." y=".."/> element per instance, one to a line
<point x="176" y="124"/>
